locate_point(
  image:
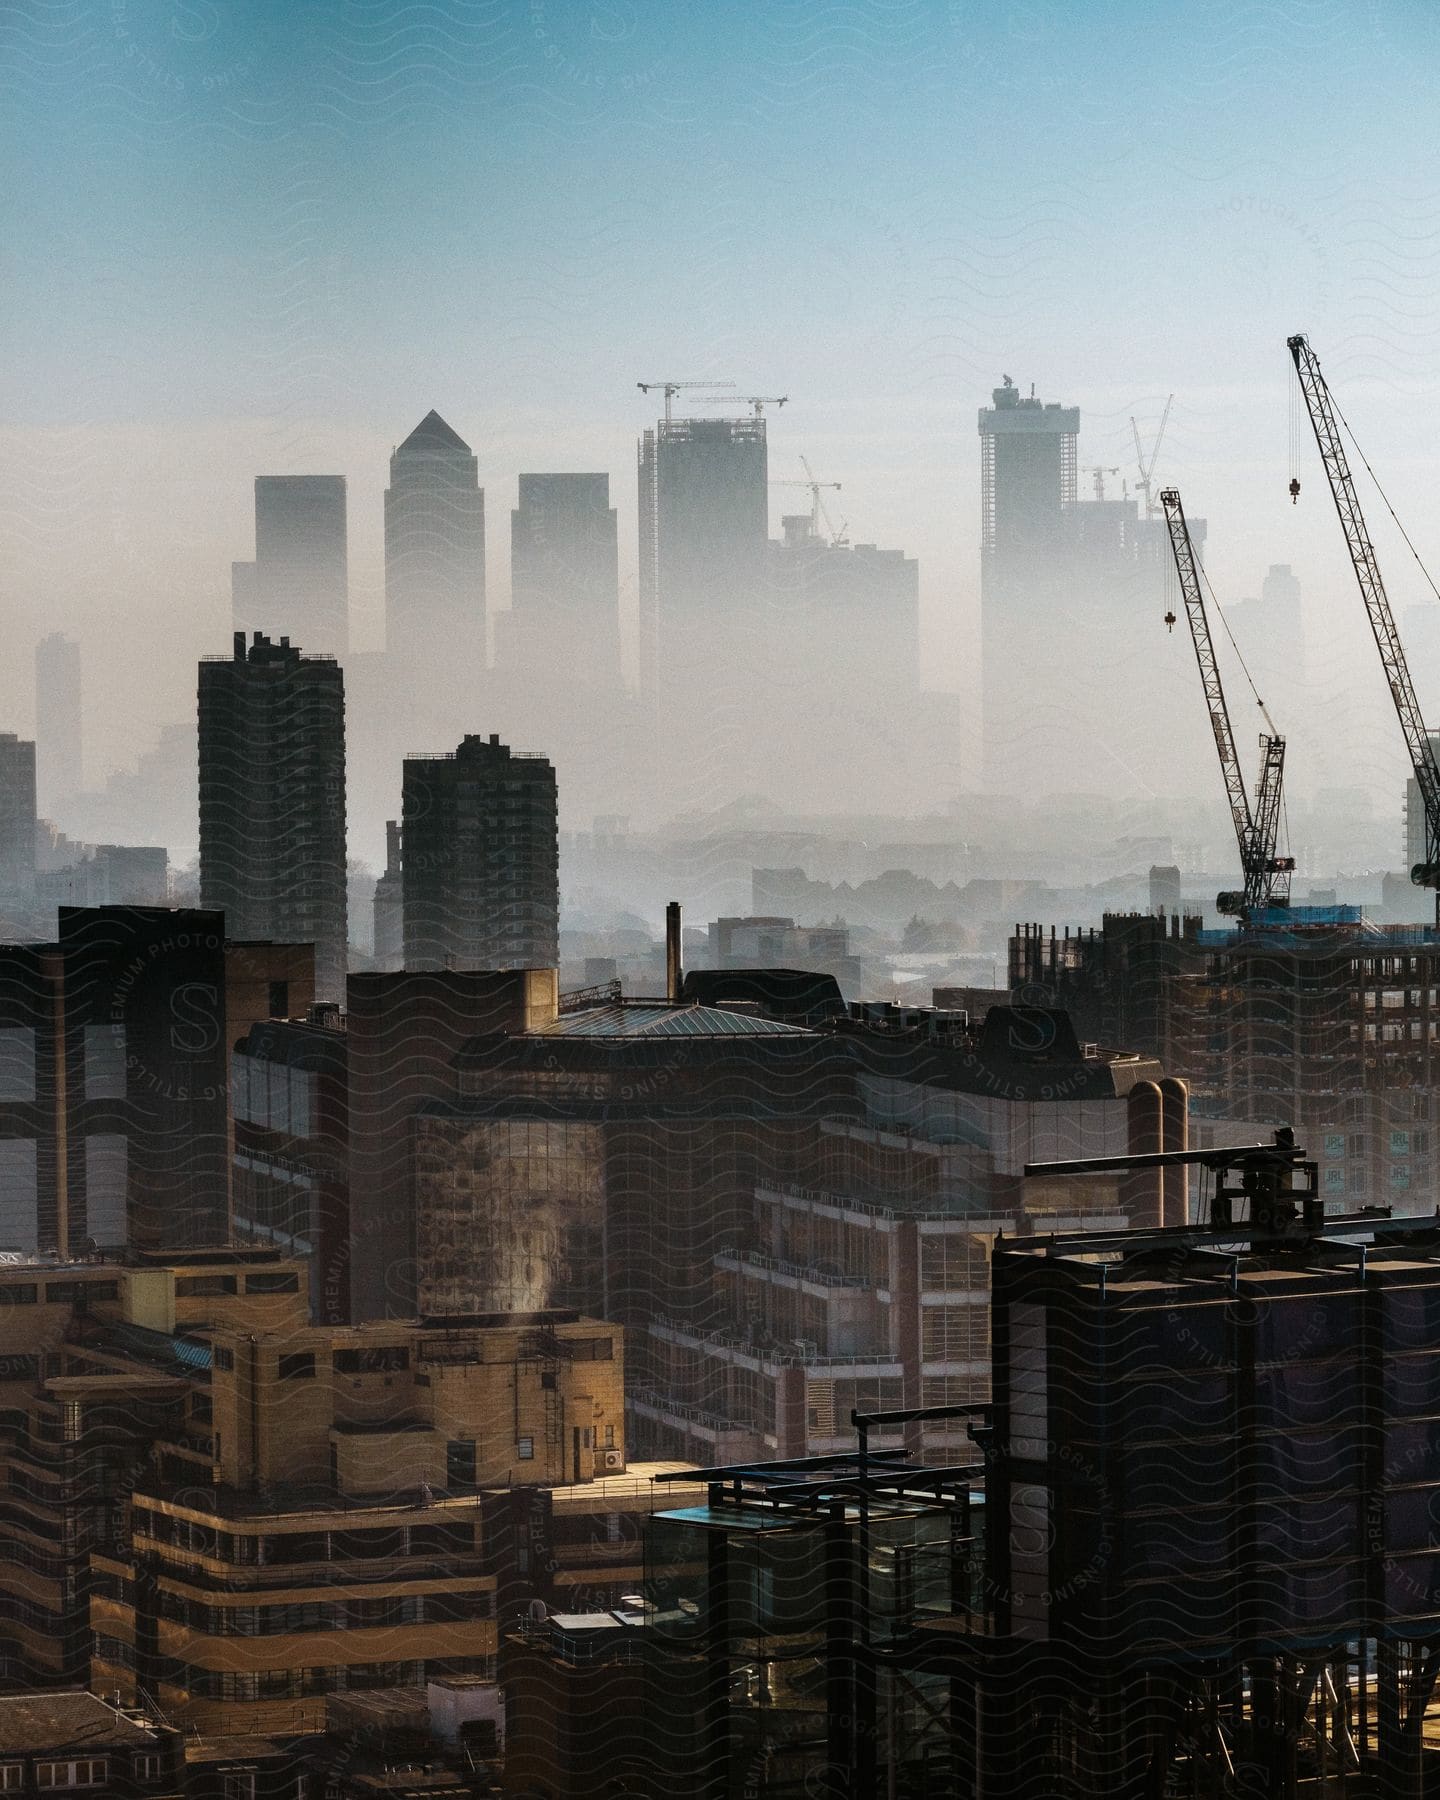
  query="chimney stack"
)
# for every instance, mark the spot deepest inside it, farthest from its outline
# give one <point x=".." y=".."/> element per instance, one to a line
<point x="672" y="952"/>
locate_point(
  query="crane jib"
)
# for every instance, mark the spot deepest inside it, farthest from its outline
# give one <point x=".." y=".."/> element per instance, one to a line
<point x="1325" y="423"/>
<point x="1267" y="877"/>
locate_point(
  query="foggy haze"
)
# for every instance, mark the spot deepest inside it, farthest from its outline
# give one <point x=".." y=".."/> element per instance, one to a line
<point x="268" y="240"/>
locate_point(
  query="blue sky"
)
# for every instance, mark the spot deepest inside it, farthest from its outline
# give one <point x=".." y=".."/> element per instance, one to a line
<point x="256" y="237"/>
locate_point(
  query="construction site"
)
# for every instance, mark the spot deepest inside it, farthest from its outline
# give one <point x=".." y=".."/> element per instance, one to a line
<point x="1311" y="1016"/>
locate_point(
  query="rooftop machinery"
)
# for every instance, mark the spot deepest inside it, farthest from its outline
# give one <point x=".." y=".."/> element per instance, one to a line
<point x="1266" y="875"/>
<point x="1326" y="422"/>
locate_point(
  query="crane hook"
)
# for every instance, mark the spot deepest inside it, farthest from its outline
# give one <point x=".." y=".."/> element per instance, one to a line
<point x="1169" y="621"/>
<point x="1294" y="489"/>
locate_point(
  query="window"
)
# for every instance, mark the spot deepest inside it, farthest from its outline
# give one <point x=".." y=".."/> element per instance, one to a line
<point x="12" y="1776"/>
<point x="105" y="1062"/>
<point x="238" y="1787"/>
<point x="383" y="1359"/>
<point x="19" y="1293"/>
<point x="273" y="1281"/>
<point x="298" y="1367"/>
<point x="91" y="1771"/>
<point x="106" y="1182"/>
<point x="460" y="1463"/>
<point x="193" y="1287"/>
<point x="548" y="1380"/>
<point x="148" y="1766"/>
<point x="17" y="1065"/>
<point x="222" y="1358"/>
<point x="525" y="1449"/>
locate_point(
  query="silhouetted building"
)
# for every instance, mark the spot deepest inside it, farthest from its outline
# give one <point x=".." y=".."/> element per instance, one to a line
<point x="1063" y="582"/>
<point x="778" y="943"/>
<point x="841" y="639"/>
<point x="298" y="585"/>
<point x="1271" y="632"/>
<point x="703" y="531"/>
<point x="113" y="1082"/>
<point x="480" y="871"/>
<point x="1214" y="1471"/>
<point x="389" y="904"/>
<point x="59" y="769"/>
<point x="783" y="1635"/>
<point x="1164" y="888"/>
<point x="110" y="875"/>
<point x="17" y="817"/>
<point x="272" y="799"/>
<point x="564" y="618"/>
<point x="435" y="554"/>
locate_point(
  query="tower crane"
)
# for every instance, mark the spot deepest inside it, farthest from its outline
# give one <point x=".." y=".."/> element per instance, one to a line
<point x="817" y="505"/>
<point x="760" y="401"/>
<point x="837" y="538"/>
<point x="1099" y="471"/>
<point x="1147" y="465"/>
<point x="671" y="388"/>
<point x="1325" y="422"/>
<point x="1267" y="876"/>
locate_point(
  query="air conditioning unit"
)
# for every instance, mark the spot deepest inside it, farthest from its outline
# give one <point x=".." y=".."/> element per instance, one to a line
<point x="614" y="1459"/>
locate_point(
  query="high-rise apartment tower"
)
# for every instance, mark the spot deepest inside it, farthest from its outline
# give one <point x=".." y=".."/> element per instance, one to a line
<point x="480" y="871"/>
<point x="272" y="799"/>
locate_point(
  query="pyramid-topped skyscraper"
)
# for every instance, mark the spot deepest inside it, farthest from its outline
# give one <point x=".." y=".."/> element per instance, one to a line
<point x="435" y="555"/>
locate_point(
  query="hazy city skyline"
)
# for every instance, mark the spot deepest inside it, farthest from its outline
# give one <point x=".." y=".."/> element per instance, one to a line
<point x="1047" y="209"/>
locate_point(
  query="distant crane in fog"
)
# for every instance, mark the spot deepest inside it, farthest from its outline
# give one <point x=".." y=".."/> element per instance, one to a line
<point x="818" y="509"/>
<point x="671" y="388"/>
<point x="1147" y="464"/>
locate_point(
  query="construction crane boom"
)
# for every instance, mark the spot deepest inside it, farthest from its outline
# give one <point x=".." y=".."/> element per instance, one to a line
<point x="1267" y="876"/>
<point x="671" y="388"/>
<point x="817" y="505"/>
<point x="1326" y="426"/>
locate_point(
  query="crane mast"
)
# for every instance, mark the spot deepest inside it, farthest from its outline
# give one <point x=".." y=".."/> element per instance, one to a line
<point x="1326" y="427"/>
<point x="1267" y="876"/>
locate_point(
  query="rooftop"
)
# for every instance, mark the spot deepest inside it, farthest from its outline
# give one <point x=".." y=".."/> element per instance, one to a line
<point x="66" y="1721"/>
<point x="658" y="1018"/>
<point x="432" y="433"/>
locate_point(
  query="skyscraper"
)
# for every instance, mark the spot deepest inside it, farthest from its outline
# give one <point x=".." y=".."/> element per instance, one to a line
<point x="853" y="612"/>
<point x="272" y="799"/>
<point x="17" y="816"/>
<point x="564" y="582"/>
<point x="299" y="584"/>
<point x="59" y="774"/>
<point x="435" y="553"/>
<point x="1070" y="585"/>
<point x="1027" y="488"/>
<point x="703" y="528"/>
<point x="480" y="867"/>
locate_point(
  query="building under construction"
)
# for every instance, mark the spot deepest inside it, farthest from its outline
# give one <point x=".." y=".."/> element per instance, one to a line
<point x="1201" y="1559"/>
<point x="1320" y="1020"/>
